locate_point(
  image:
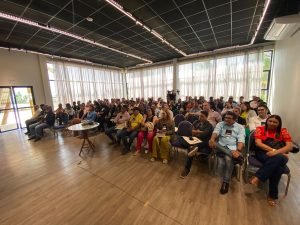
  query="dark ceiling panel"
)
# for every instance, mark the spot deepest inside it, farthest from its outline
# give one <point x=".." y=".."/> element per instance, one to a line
<point x="189" y="25"/>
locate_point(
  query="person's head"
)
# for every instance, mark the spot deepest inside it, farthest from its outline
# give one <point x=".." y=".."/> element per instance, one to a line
<point x="237" y="111"/>
<point x="48" y="108"/>
<point x="221" y="98"/>
<point x="149" y="112"/>
<point x="136" y="111"/>
<point x="73" y="103"/>
<point x="206" y="106"/>
<point x="241" y="99"/>
<point x="82" y="106"/>
<point x="91" y="108"/>
<point x="60" y="105"/>
<point x="68" y="106"/>
<point x="228" y="105"/>
<point x="78" y="102"/>
<point x="230" y="118"/>
<point x="203" y="116"/>
<point x="230" y="99"/>
<point x="274" y="122"/>
<point x="262" y="111"/>
<point x="124" y="109"/>
<point x="36" y="107"/>
<point x="245" y="106"/>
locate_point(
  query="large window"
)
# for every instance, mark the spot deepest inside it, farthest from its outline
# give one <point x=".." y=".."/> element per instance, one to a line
<point x="73" y="82"/>
<point x="238" y="74"/>
<point x="265" y="81"/>
<point x="150" y="82"/>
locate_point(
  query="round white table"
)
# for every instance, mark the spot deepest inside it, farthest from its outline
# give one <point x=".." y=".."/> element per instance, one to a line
<point x="86" y="144"/>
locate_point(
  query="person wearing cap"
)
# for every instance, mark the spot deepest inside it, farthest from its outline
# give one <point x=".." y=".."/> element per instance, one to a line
<point x="131" y="130"/>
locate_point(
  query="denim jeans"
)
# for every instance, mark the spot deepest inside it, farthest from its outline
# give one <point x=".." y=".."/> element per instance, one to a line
<point x="110" y="131"/>
<point x="224" y="154"/>
<point x="203" y="146"/>
<point x="36" y="129"/>
<point x="124" y="136"/>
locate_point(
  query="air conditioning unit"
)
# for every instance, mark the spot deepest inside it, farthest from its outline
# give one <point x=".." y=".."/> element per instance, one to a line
<point x="283" y="27"/>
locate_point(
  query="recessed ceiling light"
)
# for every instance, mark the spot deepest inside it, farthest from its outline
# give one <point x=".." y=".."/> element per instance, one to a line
<point x="90" y="19"/>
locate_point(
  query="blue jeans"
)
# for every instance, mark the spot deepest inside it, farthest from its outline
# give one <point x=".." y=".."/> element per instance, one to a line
<point x="110" y="131"/>
<point x="226" y="161"/>
<point x="272" y="169"/>
<point x="202" y="147"/>
<point x="36" y="129"/>
<point x="124" y="134"/>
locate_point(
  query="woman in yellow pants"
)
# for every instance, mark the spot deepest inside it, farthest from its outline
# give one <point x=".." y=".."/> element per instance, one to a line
<point x="161" y="142"/>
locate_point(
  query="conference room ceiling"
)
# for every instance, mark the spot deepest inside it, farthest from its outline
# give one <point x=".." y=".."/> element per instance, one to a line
<point x="192" y="26"/>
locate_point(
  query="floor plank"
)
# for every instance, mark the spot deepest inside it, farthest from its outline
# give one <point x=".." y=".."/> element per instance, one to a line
<point x="48" y="183"/>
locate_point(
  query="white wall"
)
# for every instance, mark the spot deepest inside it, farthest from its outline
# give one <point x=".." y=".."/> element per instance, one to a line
<point x="285" y="86"/>
<point x="25" y="69"/>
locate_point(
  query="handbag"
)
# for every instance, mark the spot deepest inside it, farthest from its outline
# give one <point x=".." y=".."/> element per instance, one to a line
<point x="274" y="143"/>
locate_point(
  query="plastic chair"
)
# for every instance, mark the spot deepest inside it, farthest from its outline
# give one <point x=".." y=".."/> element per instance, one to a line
<point x="252" y="164"/>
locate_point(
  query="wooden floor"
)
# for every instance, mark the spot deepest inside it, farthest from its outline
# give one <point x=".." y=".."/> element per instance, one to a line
<point x="48" y="183"/>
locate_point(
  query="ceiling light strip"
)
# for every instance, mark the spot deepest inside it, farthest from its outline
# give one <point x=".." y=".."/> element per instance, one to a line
<point x="129" y="15"/>
<point x="261" y="20"/>
<point x="55" y="30"/>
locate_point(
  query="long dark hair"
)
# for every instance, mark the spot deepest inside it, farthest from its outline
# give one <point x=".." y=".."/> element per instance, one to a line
<point x="278" y="129"/>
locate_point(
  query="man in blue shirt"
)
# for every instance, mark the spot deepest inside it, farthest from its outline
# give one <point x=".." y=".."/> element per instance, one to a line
<point x="228" y="139"/>
<point x="91" y="115"/>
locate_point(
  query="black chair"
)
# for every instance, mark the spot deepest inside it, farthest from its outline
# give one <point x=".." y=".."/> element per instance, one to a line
<point x="178" y="118"/>
<point x="184" y="129"/>
<point x="252" y="164"/>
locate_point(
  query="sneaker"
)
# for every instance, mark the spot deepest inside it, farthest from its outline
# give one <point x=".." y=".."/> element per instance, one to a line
<point x="184" y="173"/>
<point x="136" y="153"/>
<point x="152" y="159"/>
<point x="165" y="161"/>
<point x="193" y="152"/>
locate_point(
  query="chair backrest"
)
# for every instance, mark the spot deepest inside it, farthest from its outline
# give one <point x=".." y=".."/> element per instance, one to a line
<point x="251" y="143"/>
<point x="185" y="129"/>
<point x="178" y="118"/>
<point x="192" y="118"/>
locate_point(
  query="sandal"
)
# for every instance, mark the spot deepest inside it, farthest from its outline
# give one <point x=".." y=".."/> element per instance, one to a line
<point x="272" y="202"/>
<point x="254" y="181"/>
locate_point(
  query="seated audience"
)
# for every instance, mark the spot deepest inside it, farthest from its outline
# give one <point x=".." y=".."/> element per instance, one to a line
<point x="213" y="116"/>
<point x="272" y="145"/>
<point x="91" y="114"/>
<point x="228" y="107"/>
<point x="165" y="128"/>
<point x="202" y="129"/>
<point x="247" y="112"/>
<point x="165" y="107"/>
<point x="259" y="120"/>
<point x="120" y="122"/>
<point x="36" y="129"/>
<point x="239" y="120"/>
<point x="228" y="139"/>
<point x="131" y="130"/>
<point x="59" y="114"/>
<point x="69" y="111"/>
<point x="146" y="130"/>
<point x="34" y="118"/>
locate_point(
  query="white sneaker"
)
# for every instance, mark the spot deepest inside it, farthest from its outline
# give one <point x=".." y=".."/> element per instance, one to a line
<point x="193" y="152"/>
<point x="165" y="161"/>
<point x="152" y="159"/>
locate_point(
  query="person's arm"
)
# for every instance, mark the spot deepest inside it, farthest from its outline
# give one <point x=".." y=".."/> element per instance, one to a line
<point x="212" y="142"/>
<point x="143" y="120"/>
<point x="218" y="117"/>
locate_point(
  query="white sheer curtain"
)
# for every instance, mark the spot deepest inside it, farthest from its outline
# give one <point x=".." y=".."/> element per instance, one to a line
<point x="226" y="75"/>
<point x="150" y="82"/>
<point x="72" y="82"/>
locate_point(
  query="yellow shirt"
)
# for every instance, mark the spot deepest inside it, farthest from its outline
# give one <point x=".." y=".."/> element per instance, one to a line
<point x="135" y="120"/>
<point x="244" y="115"/>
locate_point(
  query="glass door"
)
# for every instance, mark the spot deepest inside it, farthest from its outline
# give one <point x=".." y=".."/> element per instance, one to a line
<point x="24" y="104"/>
<point x="16" y="106"/>
<point x="8" y="117"/>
